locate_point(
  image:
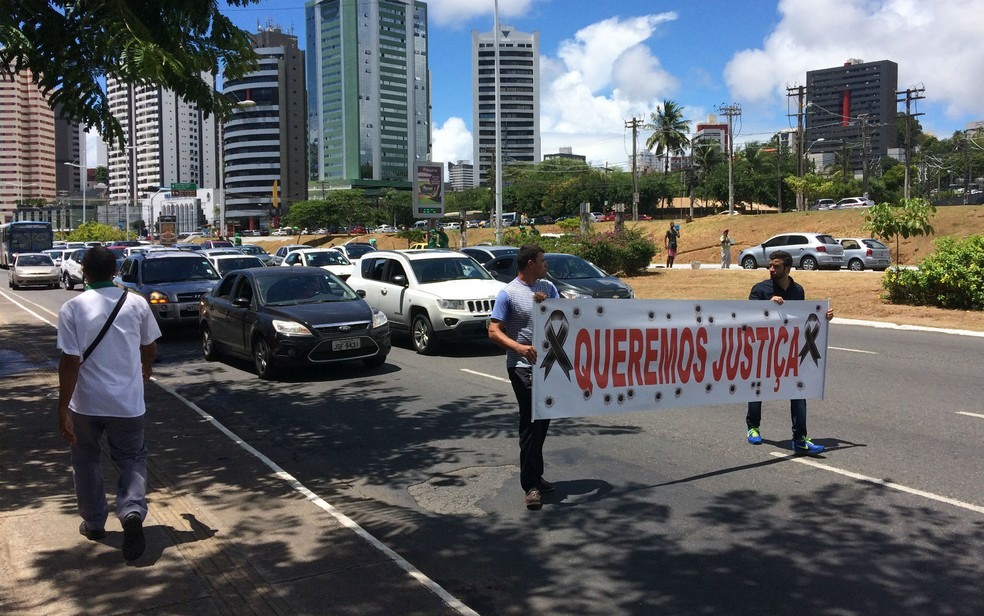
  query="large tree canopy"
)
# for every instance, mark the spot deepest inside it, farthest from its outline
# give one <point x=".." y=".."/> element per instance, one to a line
<point x="70" y="46"/>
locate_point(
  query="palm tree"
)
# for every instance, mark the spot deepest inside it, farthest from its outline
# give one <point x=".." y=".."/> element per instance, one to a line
<point x="670" y="132"/>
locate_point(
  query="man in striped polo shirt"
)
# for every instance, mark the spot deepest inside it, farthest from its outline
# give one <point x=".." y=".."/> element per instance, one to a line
<point x="512" y="329"/>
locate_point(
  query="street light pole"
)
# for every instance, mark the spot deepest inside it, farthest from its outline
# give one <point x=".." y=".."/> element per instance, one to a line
<point x="85" y="180"/>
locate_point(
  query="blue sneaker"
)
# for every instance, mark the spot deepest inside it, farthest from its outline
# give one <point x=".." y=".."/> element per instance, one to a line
<point x="806" y="446"/>
<point x="754" y="437"/>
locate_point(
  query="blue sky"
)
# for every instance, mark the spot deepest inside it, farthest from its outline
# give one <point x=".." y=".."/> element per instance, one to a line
<point x="603" y="63"/>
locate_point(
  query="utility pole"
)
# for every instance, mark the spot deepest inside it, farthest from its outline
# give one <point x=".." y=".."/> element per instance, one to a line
<point x="800" y="93"/>
<point x="911" y="94"/>
<point x="731" y="112"/>
<point x="864" y="118"/>
<point x="635" y="124"/>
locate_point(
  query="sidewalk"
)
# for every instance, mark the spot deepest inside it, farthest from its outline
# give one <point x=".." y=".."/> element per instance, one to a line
<point x="225" y="535"/>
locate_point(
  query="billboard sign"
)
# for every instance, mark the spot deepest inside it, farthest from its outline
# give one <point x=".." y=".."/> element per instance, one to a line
<point x="428" y="190"/>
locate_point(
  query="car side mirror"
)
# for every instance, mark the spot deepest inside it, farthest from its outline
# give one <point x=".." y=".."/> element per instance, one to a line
<point x="361" y="293"/>
<point x="400" y="280"/>
<point x="241" y="302"/>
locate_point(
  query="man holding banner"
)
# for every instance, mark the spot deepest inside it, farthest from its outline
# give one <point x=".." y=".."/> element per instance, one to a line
<point x="779" y="288"/>
<point x="512" y="329"/>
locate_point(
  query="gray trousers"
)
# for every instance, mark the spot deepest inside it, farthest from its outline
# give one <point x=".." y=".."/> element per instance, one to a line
<point x="125" y="436"/>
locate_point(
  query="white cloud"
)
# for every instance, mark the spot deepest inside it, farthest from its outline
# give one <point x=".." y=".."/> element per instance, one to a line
<point x="452" y="141"/>
<point x="458" y="12"/>
<point x="936" y="44"/>
<point x="600" y="78"/>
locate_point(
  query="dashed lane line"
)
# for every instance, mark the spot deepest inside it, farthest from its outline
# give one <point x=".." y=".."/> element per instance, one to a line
<point x="977" y="415"/>
<point x="881" y="482"/>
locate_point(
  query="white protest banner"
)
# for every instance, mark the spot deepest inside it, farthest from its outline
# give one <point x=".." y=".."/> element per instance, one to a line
<point x="599" y="357"/>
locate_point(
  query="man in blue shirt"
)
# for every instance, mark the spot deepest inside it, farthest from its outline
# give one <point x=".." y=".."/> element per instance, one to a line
<point x="512" y="329"/>
<point x="779" y="288"/>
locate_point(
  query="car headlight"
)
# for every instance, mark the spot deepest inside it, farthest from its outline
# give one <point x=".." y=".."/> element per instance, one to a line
<point x="378" y="319"/>
<point x="156" y="297"/>
<point x="571" y="294"/>
<point x="451" y="304"/>
<point x="290" y="328"/>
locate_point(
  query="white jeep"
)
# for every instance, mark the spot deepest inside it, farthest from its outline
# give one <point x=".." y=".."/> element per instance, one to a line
<point x="432" y="294"/>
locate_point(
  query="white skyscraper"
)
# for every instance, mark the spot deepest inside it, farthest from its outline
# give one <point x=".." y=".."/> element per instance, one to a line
<point x="519" y="98"/>
<point x="168" y="141"/>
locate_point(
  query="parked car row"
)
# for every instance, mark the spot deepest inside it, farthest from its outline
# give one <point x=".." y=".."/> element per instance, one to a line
<point x="843" y="204"/>
<point x="811" y="251"/>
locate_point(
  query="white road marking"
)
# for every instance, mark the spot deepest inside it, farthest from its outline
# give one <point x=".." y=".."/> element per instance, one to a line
<point x="852" y="350"/>
<point x="485" y="374"/>
<point x="977" y="415"/>
<point x="13" y="299"/>
<point x="881" y="482"/>
<point x="343" y="519"/>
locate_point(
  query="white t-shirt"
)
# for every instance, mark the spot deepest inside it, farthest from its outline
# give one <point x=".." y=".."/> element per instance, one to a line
<point x="110" y="381"/>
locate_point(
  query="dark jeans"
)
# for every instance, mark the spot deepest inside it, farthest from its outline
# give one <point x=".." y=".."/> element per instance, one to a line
<point x="797" y="411"/>
<point x="125" y="436"/>
<point x="531" y="433"/>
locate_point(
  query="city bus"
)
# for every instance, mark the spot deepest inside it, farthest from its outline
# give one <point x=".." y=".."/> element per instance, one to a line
<point x="23" y="236"/>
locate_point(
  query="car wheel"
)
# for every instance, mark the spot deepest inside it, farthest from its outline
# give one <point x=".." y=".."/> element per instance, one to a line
<point x="749" y="263"/>
<point x="208" y="344"/>
<point x="263" y="359"/>
<point x="855" y="265"/>
<point x="375" y="361"/>
<point x="422" y="334"/>
<point x="808" y="263"/>
<point x="67" y="282"/>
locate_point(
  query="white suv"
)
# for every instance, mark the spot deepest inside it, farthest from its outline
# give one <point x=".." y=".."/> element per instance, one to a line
<point x="432" y="294"/>
<point x="71" y="268"/>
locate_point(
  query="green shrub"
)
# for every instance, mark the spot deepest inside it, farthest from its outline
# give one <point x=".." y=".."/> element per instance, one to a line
<point x="626" y="252"/>
<point x="952" y="277"/>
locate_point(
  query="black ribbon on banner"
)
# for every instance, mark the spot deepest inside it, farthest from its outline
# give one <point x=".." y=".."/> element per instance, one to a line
<point x="810" y="334"/>
<point x="556" y="332"/>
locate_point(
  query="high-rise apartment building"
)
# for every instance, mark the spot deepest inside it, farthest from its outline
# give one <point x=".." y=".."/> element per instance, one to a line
<point x="27" y="143"/>
<point x="168" y="141"/>
<point x="852" y="107"/>
<point x="69" y="156"/>
<point x="368" y="90"/>
<point x="712" y="131"/>
<point x="519" y="99"/>
<point x="461" y="175"/>
<point x="264" y="140"/>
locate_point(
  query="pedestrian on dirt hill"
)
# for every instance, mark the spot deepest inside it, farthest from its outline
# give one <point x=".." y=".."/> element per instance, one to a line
<point x="670" y="243"/>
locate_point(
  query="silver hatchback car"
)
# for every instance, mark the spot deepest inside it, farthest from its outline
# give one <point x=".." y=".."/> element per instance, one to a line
<point x="810" y="251"/>
<point x="861" y="253"/>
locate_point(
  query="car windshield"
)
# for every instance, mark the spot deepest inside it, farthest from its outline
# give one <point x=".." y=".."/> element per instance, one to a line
<point x="227" y="265"/>
<point x="569" y="267"/>
<point x="826" y="239"/>
<point x="331" y="257"/>
<point x="177" y="270"/>
<point x="303" y="289"/>
<point x="448" y="268"/>
<point x="34" y="260"/>
<point x="355" y="251"/>
<point x="875" y="244"/>
<point x="252" y="250"/>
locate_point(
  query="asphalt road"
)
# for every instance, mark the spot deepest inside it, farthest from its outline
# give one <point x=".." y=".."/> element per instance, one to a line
<point x="669" y="512"/>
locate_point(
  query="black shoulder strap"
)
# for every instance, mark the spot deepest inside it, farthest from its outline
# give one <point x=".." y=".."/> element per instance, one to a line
<point x="109" y="321"/>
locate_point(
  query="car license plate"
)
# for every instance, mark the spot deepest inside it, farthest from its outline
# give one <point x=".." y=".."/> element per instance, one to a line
<point x="346" y="344"/>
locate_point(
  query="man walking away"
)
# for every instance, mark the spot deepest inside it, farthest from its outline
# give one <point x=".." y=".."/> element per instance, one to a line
<point x="512" y="329"/>
<point x="779" y="288"/>
<point x="101" y="390"/>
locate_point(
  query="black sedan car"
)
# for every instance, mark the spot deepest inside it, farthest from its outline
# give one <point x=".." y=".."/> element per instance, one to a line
<point x="574" y="277"/>
<point x="293" y="316"/>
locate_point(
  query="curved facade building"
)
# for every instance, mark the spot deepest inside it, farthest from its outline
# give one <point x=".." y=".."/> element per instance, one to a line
<point x="264" y="140"/>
